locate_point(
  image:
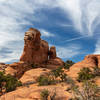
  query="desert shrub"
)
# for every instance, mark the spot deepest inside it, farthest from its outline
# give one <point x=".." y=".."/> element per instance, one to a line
<point x="85" y="74"/>
<point x="96" y="71"/>
<point x="59" y="72"/>
<point x="44" y="94"/>
<point x="11" y="83"/>
<point x="70" y="81"/>
<point x="8" y="82"/>
<point x="53" y="77"/>
<point x="68" y="64"/>
<point x="53" y="95"/>
<point x="34" y="65"/>
<point x="89" y="91"/>
<point x="45" y="80"/>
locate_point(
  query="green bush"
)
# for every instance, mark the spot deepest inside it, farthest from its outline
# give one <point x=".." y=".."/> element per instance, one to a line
<point x="96" y="71"/>
<point x="85" y="74"/>
<point x="11" y="83"/>
<point x="68" y="64"/>
<point x="8" y="82"/>
<point x="59" y="73"/>
<point x="45" y="80"/>
<point x="44" y="94"/>
<point x="52" y="77"/>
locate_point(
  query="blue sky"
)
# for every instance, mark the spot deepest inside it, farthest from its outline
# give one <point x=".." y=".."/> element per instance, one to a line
<point x="71" y="25"/>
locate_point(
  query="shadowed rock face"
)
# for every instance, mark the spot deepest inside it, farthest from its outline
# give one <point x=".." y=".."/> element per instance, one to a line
<point x="35" y="50"/>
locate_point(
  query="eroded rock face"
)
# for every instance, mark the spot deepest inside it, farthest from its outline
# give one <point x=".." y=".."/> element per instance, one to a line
<point x="17" y="69"/>
<point x="35" y="50"/>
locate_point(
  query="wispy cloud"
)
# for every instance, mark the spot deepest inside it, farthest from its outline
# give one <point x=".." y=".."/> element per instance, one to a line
<point x="45" y="33"/>
<point x="97" y="47"/>
<point x="85" y="14"/>
<point x="68" y="51"/>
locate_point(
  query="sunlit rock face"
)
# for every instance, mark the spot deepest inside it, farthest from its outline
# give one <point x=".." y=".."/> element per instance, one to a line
<point x="35" y="50"/>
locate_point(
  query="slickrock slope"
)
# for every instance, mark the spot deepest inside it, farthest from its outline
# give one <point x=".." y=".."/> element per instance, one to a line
<point x="89" y="61"/>
<point x="32" y="92"/>
<point x="33" y="74"/>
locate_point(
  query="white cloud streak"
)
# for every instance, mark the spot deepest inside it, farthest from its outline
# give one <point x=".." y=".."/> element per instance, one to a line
<point x="85" y="14"/>
<point x="68" y="51"/>
<point x="97" y="47"/>
<point x="45" y="33"/>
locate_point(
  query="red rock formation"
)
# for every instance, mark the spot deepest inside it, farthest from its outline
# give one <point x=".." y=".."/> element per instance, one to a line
<point x="35" y="50"/>
<point x="52" y="52"/>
